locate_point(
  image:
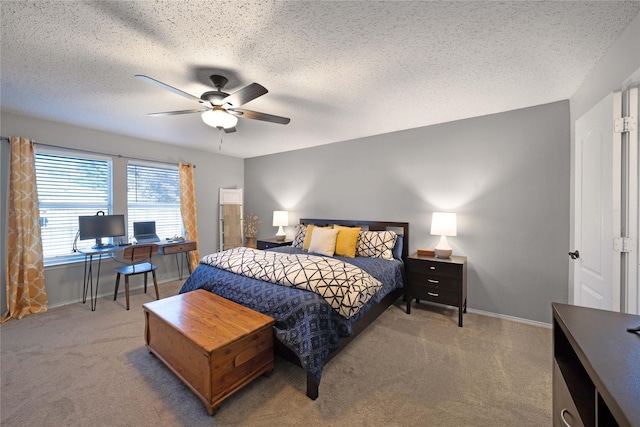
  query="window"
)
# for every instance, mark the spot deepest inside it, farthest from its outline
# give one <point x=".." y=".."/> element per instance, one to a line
<point x="72" y="184"/>
<point x="153" y="194"/>
<point x="69" y="186"/>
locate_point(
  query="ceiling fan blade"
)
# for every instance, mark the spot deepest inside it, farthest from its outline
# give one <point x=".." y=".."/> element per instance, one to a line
<point x="229" y="130"/>
<point x="246" y="94"/>
<point x="174" y="113"/>
<point x="248" y="114"/>
<point x="169" y="88"/>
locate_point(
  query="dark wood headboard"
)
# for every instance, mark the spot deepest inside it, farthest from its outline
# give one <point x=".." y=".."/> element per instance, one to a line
<point x="401" y="228"/>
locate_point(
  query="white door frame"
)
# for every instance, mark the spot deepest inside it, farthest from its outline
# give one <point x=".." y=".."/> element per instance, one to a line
<point x="631" y="219"/>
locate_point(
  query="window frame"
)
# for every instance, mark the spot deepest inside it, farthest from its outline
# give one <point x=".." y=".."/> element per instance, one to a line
<point x="179" y="228"/>
<point x="74" y="255"/>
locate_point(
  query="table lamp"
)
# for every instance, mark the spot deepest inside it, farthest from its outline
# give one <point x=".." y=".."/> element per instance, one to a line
<point x="443" y="224"/>
<point x="280" y="219"/>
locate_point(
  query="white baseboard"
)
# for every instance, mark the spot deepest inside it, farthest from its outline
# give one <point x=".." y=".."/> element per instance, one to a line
<point x="512" y="318"/>
<point x="106" y="292"/>
<point x="490" y="314"/>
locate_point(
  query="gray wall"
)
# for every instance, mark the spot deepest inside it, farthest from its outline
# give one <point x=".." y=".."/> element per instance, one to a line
<point x="64" y="283"/>
<point x="505" y="175"/>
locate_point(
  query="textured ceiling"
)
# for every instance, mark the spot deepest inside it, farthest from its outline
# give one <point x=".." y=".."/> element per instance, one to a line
<point x="339" y="70"/>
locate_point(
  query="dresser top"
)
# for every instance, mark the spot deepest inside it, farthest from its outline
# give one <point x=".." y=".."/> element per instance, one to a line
<point x="455" y="259"/>
<point x="274" y="240"/>
<point x="610" y="354"/>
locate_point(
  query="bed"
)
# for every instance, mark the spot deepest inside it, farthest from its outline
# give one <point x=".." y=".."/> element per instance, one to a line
<point x="308" y="330"/>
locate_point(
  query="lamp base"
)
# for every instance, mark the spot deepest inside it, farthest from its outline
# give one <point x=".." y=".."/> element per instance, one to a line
<point x="280" y="238"/>
<point x="443" y="250"/>
<point x="443" y="253"/>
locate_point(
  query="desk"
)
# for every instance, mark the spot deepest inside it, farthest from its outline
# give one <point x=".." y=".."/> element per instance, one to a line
<point x="164" y="248"/>
<point x="177" y="248"/>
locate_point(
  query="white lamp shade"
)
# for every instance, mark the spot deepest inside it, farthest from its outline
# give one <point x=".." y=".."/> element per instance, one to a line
<point x="443" y="224"/>
<point x="219" y="118"/>
<point x="280" y="218"/>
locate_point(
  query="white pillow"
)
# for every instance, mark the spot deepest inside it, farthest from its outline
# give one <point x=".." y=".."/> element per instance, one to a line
<point x="323" y="241"/>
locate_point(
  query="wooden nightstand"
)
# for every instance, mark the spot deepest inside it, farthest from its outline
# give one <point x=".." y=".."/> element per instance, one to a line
<point x="271" y="242"/>
<point x="441" y="280"/>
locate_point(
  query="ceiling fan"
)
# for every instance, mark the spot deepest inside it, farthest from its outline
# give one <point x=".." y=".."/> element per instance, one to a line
<point x="220" y="109"/>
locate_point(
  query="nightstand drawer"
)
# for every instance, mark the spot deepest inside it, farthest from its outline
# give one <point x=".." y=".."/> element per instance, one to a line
<point x="435" y="294"/>
<point x="267" y="245"/>
<point x="443" y="282"/>
<point x="272" y="243"/>
<point x="434" y="267"/>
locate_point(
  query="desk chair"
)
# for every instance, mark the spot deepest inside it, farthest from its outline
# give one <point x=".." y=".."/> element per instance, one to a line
<point x="139" y="262"/>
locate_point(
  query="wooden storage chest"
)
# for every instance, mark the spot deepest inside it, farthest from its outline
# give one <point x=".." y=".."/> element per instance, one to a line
<point x="213" y="345"/>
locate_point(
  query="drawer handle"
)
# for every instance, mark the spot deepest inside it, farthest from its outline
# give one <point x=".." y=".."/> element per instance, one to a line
<point x="431" y="294"/>
<point x="245" y="356"/>
<point x="432" y="268"/>
<point x="562" y="417"/>
<point x="433" y="281"/>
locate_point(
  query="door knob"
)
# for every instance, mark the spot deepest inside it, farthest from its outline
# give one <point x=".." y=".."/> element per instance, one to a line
<point x="574" y="255"/>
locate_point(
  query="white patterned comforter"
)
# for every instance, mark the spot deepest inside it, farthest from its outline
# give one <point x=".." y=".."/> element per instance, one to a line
<point x="344" y="286"/>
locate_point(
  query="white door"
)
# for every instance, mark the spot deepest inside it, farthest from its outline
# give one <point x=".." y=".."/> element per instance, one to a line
<point x="597" y="207"/>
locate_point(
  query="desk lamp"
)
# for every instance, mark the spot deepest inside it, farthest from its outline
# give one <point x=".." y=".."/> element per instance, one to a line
<point x="443" y="225"/>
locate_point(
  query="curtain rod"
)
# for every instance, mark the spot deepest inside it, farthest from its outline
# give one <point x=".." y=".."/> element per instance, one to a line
<point x="4" y="138"/>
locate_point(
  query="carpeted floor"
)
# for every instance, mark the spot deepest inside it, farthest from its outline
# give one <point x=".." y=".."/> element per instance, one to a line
<point x="74" y="367"/>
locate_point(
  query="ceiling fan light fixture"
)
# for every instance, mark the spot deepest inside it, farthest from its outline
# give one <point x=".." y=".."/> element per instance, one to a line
<point x="219" y="118"/>
<point x="219" y="109"/>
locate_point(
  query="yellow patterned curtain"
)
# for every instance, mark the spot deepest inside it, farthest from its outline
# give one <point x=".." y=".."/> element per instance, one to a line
<point x="188" y="209"/>
<point x="26" y="292"/>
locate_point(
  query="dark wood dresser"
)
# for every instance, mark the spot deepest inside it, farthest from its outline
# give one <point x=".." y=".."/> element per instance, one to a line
<point x="441" y="280"/>
<point x="596" y="367"/>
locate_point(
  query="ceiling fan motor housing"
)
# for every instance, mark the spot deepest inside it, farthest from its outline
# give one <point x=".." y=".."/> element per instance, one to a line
<point x="214" y="97"/>
<point x="219" y="81"/>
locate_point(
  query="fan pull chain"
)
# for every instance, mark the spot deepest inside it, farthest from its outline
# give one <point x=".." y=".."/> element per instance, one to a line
<point x="220" y="146"/>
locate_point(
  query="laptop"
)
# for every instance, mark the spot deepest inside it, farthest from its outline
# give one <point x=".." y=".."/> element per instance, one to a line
<point x="145" y="232"/>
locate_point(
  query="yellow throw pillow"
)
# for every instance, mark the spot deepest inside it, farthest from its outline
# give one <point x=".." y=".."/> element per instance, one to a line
<point x="307" y="238"/>
<point x="347" y="240"/>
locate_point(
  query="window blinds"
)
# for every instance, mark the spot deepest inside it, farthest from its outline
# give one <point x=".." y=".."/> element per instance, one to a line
<point x="153" y="194"/>
<point x="69" y="187"/>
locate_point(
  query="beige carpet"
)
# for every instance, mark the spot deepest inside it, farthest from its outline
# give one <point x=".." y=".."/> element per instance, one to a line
<point x="74" y="367"/>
